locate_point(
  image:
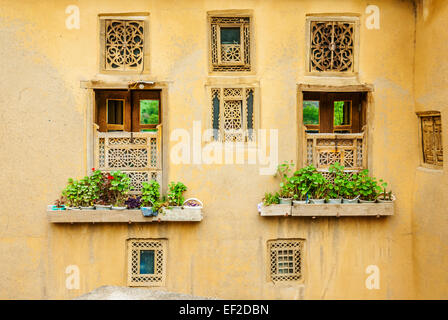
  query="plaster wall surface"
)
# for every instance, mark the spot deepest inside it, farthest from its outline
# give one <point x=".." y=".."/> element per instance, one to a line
<point x="43" y="111"/>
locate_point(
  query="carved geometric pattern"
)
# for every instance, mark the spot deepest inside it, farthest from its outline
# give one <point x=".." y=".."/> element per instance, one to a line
<point x="124" y="45"/>
<point x="230" y="52"/>
<point x="231" y="57"/>
<point x="285" y="260"/>
<point x="139" y="156"/>
<point x="157" y="278"/>
<point x="323" y="150"/>
<point x="332" y="46"/>
<point x="101" y="153"/>
<point x="327" y="158"/>
<point x="432" y="140"/>
<point x="233" y="121"/>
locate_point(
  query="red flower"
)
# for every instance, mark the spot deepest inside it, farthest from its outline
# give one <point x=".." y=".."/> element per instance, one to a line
<point x="93" y="169"/>
<point x="110" y="177"/>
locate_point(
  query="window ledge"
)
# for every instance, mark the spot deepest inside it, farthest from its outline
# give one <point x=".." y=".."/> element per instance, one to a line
<point x="122" y="216"/>
<point x="330" y="210"/>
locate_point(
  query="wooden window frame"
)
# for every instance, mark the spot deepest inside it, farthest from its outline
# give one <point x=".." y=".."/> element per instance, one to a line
<point x="297" y="278"/>
<point x="134" y="246"/>
<point x="346" y="17"/>
<point x="132" y="16"/>
<point x="246" y="68"/>
<point x="420" y="115"/>
<point x="255" y="111"/>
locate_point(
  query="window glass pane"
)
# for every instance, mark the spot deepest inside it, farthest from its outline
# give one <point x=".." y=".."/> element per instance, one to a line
<point x="230" y="35"/>
<point x="149" y="111"/>
<point x="146" y="261"/>
<point x="342" y="112"/>
<point x="310" y="112"/>
<point x="115" y="111"/>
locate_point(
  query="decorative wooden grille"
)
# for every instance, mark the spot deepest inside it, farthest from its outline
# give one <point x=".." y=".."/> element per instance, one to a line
<point x="233" y="114"/>
<point x="285" y="260"/>
<point x="124" y="45"/>
<point x="324" y="149"/>
<point x="332" y="46"/>
<point x="138" y="154"/>
<point x="230" y="57"/>
<point x="432" y="140"/>
<point x="135" y="278"/>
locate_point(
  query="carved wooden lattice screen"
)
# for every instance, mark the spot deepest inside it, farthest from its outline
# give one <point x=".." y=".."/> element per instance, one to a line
<point x="154" y="276"/>
<point x="432" y="140"/>
<point x="324" y="149"/>
<point x="233" y="114"/>
<point x="332" y="46"/>
<point x="123" y="45"/>
<point x="138" y="154"/>
<point x="285" y="260"/>
<point x="230" y="56"/>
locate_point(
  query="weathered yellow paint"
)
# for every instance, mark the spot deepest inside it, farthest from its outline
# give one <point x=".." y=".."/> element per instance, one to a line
<point x="43" y="139"/>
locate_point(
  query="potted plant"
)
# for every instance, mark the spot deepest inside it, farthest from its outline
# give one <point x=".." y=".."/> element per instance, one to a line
<point x="120" y="186"/>
<point x="319" y="188"/>
<point x="59" y="204"/>
<point x="367" y="187"/>
<point x="335" y="188"/>
<point x="348" y="192"/>
<point x="150" y="196"/>
<point x="385" y="196"/>
<point x="286" y="186"/>
<point x="270" y="198"/>
<point x="302" y="184"/>
<point x="193" y="203"/>
<point x="133" y="202"/>
<point x="70" y="193"/>
<point x="102" y="186"/>
<point x="175" y="194"/>
<point x="86" y="193"/>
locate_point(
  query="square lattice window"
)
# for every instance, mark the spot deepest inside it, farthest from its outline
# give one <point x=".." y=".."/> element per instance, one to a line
<point x="285" y="260"/>
<point x="233" y="114"/>
<point x="333" y="44"/>
<point x="122" y="43"/>
<point x="230" y="43"/>
<point x="146" y="262"/>
<point x="431" y="138"/>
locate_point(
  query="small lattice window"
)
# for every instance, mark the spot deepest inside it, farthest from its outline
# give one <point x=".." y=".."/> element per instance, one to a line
<point x="230" y="44"/>
<point x="146" y="262"/>
<point x="285" y="260"/>
<point x="122" y="45"/>
<point x="233" y="114"/>
<point x="332" y="46"/>
<point x="431" y="134"/>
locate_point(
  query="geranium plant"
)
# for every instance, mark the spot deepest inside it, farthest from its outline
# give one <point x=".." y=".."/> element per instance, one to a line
<point x="120" y="185"/>
<point x="366" y="186"/>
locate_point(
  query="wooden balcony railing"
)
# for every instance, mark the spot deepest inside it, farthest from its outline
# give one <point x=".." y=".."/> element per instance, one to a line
<point x="324" y="149"/>
<point x="138" y="154"/>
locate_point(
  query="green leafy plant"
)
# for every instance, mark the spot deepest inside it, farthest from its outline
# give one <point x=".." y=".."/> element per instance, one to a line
<point x="302" y="182"/>
<point x="120" y="185"/>
<point x="150" y="193"/>
<point x="286" y="185"/>
<point x="270" y="198"/>
<point x="385" y="195"/>
<point x="366" y="186"/>
<point x="338" y="187"/>
<point x="175" y="193"/>
<point x="319" y="186"/>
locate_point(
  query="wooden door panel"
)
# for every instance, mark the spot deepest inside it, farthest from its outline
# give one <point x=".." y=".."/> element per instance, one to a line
<point x="137" y="98"/>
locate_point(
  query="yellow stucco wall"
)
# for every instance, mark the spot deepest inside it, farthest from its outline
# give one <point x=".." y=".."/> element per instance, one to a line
<point x="43" y="137"/>
<point x="429" y="214"/>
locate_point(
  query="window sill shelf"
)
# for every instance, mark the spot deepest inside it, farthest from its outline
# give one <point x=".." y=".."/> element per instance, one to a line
<point x="330" y="210"/>
<point x="122" y="216"/>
